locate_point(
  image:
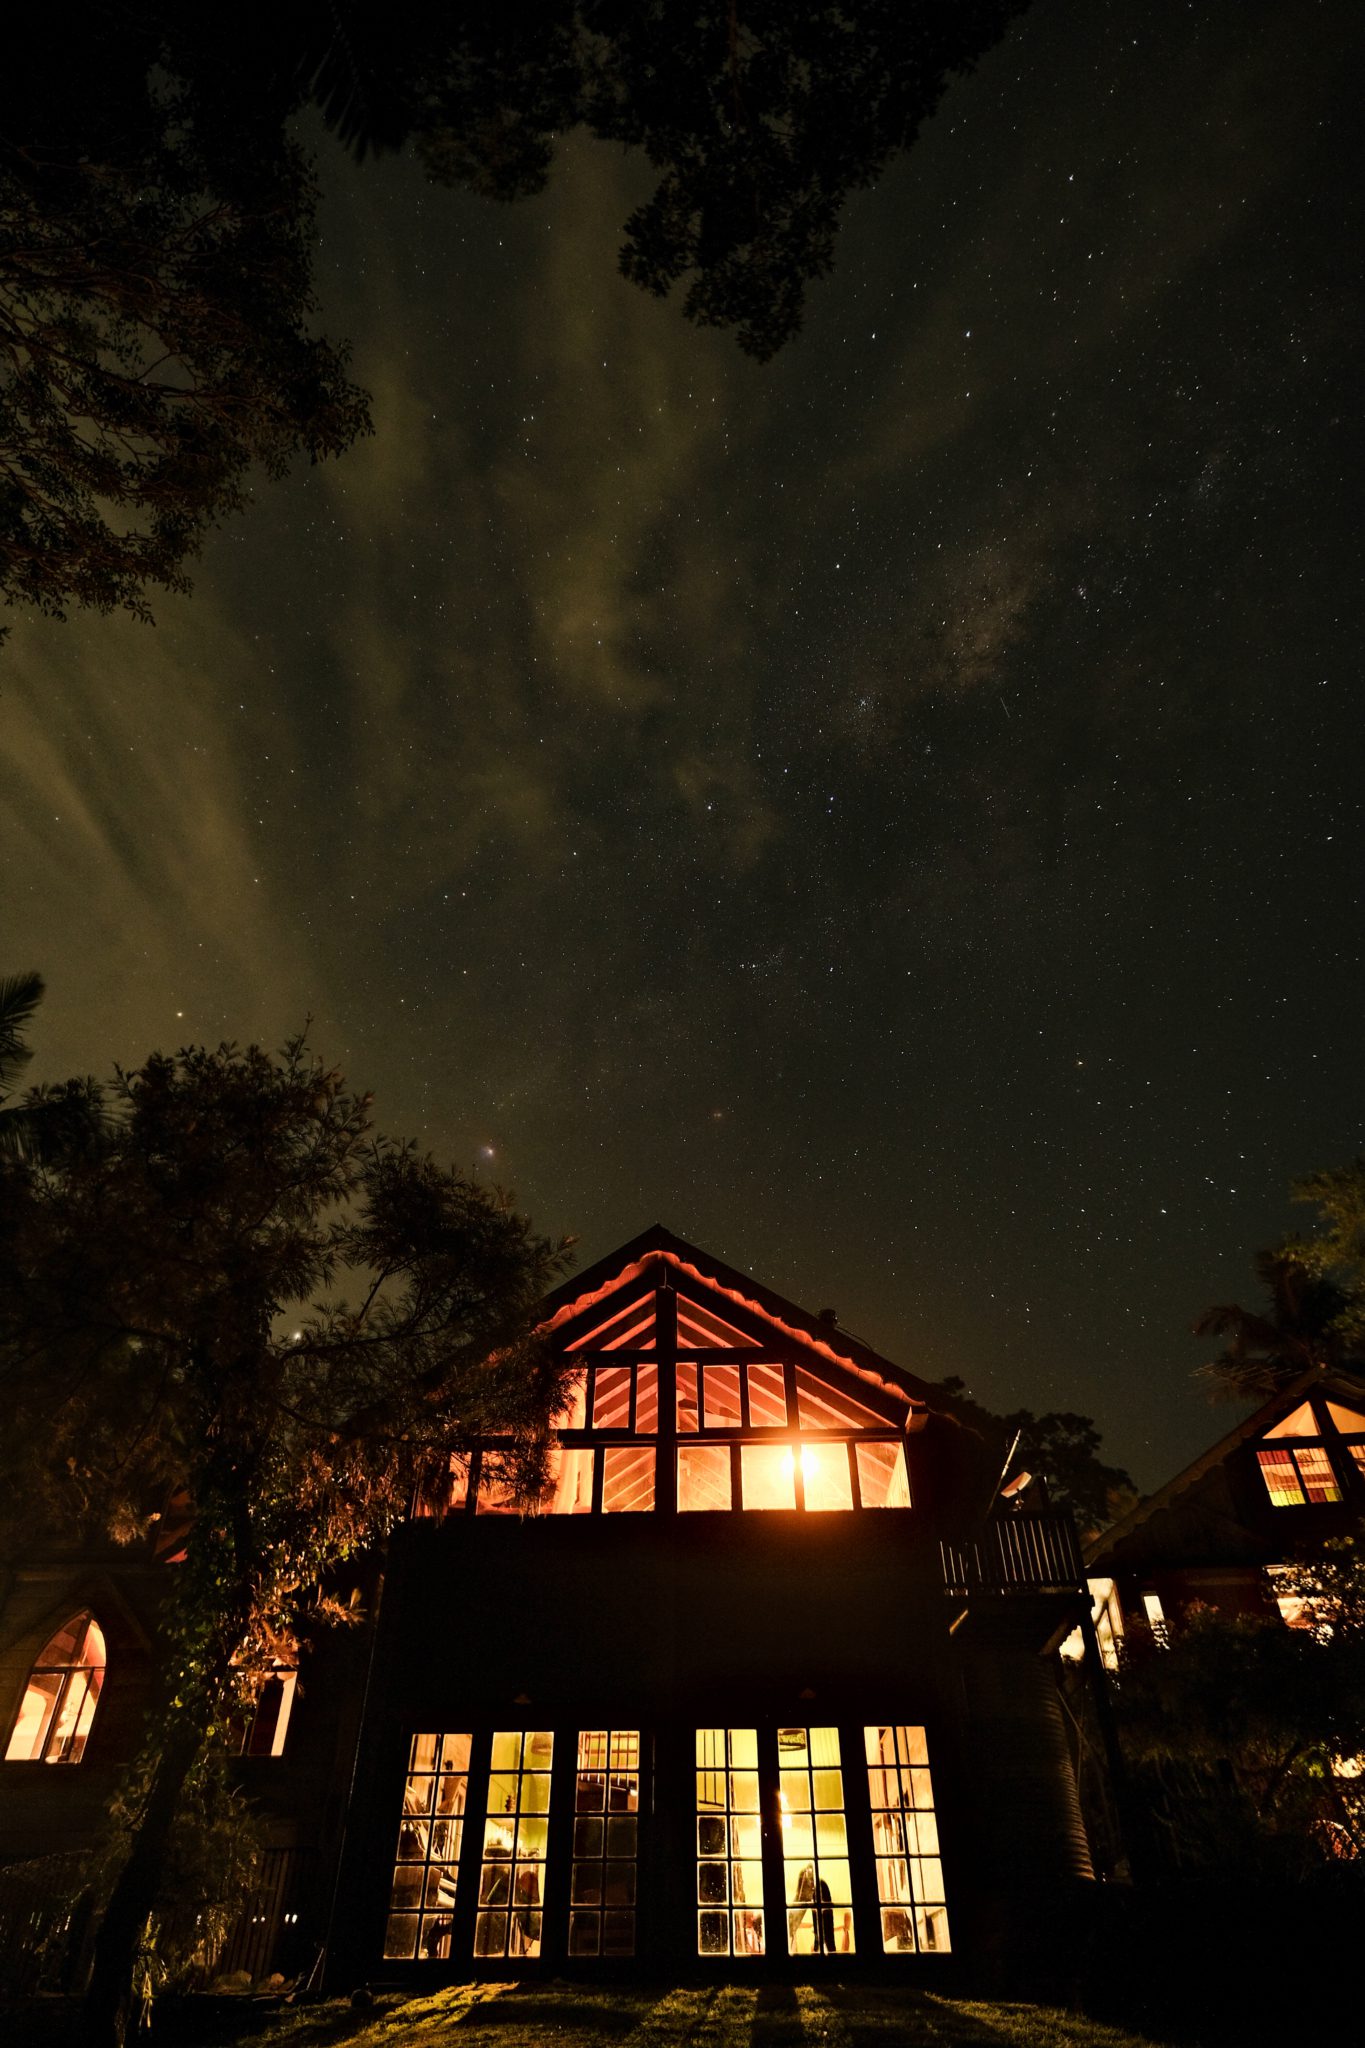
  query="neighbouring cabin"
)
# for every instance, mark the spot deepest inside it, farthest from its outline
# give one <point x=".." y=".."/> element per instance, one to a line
<point x="1274" y="1490"/>
<point x="759" y="1684"/>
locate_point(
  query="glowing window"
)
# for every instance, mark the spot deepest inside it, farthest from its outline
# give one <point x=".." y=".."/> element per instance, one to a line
<point x="426" y="1868"/>
<point x="720" y="1396"/>
<point x="767" y="1396"/>
<point x="496" y="1494"/>
<point x="605" y="1847"/>
<point x="627" y="1478"/>
<point x="611" y="1397"/>
<point x="575" y="1416"/>
<point x="905" y="1838"/>
<point x="703" y="1477"/>
<point x="699" y="1330"/>
<point x="265" y="1732"/>
<point x="825" y="1477"/>
<point x="1315" y="1470"/>
<point x="1298" y="1476"/>
<point x="1346" y="1419"/>
<point x="821" y="1406"/>
<point x="1358" y="1455"/>
<point x="767" y="1475"/>
<point x="816" y="1878"/>
<point x="630" y="1329"/>
<point x="1281" y="1478"/>
<point x="570" y="1487"/>
<point x="729" y="1849"/>
<point x="1302" y="1422"/>
<point x="882" y="1478"/>
<point x="58" y="1707"/>
<point x="512" y="1879"/>
<point x="687" y="1399"/>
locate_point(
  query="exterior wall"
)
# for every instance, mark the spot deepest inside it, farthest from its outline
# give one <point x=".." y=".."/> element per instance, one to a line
<point x="671" y="1625"/>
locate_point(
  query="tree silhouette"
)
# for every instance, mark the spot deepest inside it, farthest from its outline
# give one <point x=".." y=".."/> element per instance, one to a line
<point x="174" y="1320"/>
<point x="156" y="215"/>
<point x="1299" y="1328"/>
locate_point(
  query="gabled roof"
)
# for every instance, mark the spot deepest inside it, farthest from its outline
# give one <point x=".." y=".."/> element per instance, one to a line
<point x="1316" y="1380"/>
<point x="698" y="1270"/>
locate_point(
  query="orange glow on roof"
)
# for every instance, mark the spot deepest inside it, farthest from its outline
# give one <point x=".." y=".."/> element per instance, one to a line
<point x="754" y="1308"/>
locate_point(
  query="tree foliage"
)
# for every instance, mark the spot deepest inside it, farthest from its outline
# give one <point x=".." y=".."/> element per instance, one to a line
<point x="245" y="1295"/>
<point x="1060" y="1448"/>
<point x="1248" y="1722"/>
<point x="157" y="216"/>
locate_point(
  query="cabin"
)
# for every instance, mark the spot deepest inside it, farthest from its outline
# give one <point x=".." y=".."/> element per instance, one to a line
<point x="767" y="1683"/>
<point x="1272" y="1491"/>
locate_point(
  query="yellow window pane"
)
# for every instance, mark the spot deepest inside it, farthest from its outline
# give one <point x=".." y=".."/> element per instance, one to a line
<point x="1315" y="1470"/>
<point x="703" y="1477"/>
<point x="720" y="1396"/>
<point x="1281" y="1478"/>
<point x="627" y="1479"/>
<point x="882" y="1479"/>
<point x="768" y="1474"/>
<point x="768" y="1397"/>
<point x="824" y="1470"/>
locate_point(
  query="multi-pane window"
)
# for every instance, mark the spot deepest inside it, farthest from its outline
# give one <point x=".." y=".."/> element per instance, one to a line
<point x="605" y="1844"/>
<point x="818" y="1885"/>
<point x="729" y="1854"/>
<point x="1293" y="1477"/>
<point x="512" y="1877"/>
<point x="739" y="1429"/>
<point x="905" y="1839"/>
<point x="58" y="1707"/>
<point x="426" y="1867"/>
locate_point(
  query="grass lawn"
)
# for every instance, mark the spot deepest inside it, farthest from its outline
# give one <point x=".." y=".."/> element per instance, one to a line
<point x="615" y="2016"/>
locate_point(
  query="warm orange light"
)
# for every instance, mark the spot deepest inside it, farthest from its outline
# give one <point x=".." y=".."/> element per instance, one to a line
<point x="810" y="1462"/>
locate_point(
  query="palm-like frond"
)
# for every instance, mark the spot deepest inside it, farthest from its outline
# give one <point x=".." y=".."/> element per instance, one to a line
<point x="1268" y="1349"/>
<point x="20" y="995"/>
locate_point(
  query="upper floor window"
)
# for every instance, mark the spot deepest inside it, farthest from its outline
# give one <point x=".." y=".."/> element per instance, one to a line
<point x="58" y="1707"/>
<point x="1308" y="1453"/>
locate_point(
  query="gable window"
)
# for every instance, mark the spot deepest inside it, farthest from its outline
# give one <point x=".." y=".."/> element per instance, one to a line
<point x="58" y="1707"/>
<point x="1296" y="1464"/>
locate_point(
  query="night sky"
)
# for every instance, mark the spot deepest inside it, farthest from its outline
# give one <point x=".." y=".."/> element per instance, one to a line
<point x="893" y="815"/>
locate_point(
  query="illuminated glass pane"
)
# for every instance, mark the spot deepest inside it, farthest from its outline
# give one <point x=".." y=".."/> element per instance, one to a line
<point x="1302" y="1422"/>
<point x="768" y="1474"/>
<point x="611" y="1397"/>
<point x="569" y="1491"/>
<point x="729" y="1884"/>
<point x="495" y="1496"/>
<point x="429" y="1831"/>
<point x="459" y="1482"/>
<point x="825" y="1475"/>
<point x="687" y="1399"/>
<point x="909" y="1880"/>
<point x="768" y="1396"/>
<point x="703" y="1476"/>
<point x="814" y="1846"/>
<point x="575" y="1416"/>
<point x="629" y="1329"/>
<point x="1315" y="1470"/>
<point x="627" y="1479"/>
<point x="701" y="1329"/>
<point x="58" y="1707"/>
<point x="1281" y="1478"/>
<point x="1358" y="1455"/>
<point x="646" y="1400"/>
<point x="511" y="1880"/>
<point x="823" y="1406"/>
<point x="882" y="1480"/>
<point x="720" y="1396"/>
<point x="1346" y="1419"/>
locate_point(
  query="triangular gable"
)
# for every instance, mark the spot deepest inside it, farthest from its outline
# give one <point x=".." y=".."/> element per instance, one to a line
<point x="1302" y="1422"/>
<point x="1102" y="1551"/>
<point x="718" y="1308"/>
<point x="1350" y="1421"/>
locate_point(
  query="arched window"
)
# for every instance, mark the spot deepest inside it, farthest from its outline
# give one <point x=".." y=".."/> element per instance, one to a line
<point x="53" y="1724"/>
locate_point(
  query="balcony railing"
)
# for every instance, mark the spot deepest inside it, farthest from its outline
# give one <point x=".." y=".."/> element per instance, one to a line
<point x="1015" y="1554"/>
